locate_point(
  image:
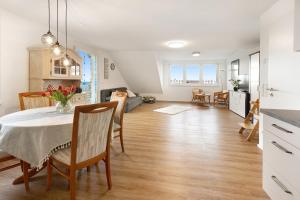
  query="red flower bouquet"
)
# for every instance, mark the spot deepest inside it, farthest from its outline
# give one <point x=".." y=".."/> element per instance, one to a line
<point x="62" y="96"/>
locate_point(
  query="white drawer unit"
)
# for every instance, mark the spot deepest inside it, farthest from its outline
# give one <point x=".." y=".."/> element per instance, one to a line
<point x="284" y="130"/>
<point x="277" y="186"/>
<point x="281" y="156"/>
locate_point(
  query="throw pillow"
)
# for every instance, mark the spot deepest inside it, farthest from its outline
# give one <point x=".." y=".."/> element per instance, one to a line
<point x="130" y="93"/>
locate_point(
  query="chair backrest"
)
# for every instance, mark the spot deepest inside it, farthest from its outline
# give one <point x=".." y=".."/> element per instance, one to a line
<point x="197" y="91"/>
<point x="29" y="100"/>
<point x="225" y="95"/>
<point x="121" y="98"/>
<point x="92" y="126"/>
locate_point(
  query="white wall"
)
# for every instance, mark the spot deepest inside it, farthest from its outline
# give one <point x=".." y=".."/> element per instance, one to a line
<point x="243" y="56"/>
<point x="115" y="77"/>
<point x="16" y="35"/>
<point x="140" y="70"/>
<point x="184" y="93"/>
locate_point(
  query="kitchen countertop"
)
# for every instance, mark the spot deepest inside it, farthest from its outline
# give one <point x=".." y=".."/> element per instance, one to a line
<point x="288" y="116"/>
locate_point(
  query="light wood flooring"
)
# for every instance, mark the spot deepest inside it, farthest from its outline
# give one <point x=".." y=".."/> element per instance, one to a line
<point x="194" y="155"/>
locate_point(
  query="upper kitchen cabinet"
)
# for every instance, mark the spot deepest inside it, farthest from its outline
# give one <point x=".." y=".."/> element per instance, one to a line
<point x="44" y="65"/>
<point x="46" y="69"/>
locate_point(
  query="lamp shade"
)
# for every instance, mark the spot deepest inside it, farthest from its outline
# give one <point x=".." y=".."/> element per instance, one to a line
<point x="67" y="61"/>
<point x="57" y="49"/>
<point x="48" y="39"/>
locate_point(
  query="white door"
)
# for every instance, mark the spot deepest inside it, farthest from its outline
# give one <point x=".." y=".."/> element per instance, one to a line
<point x="254" y="76"/>
<point x="283" y="65"/>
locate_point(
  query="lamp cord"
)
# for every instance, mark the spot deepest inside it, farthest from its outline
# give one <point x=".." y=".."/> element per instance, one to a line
<point x="49" y="21"/>
<point x="57" y="19"/>
<point x="66" y="26"/>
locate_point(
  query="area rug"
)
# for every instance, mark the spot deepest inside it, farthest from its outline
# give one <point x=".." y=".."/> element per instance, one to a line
<point x="173" y="110"/>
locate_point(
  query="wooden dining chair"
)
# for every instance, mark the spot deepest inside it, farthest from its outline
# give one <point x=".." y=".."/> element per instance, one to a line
<point x="4" y="157"/>
<point x="91" y="136"/>
<point x="29" y="100"/>
<point x="121" y="97"/>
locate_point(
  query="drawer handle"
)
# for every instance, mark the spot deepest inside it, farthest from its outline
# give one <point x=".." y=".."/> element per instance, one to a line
<point x="283" y="187"/>
<point x="281" y="147"/>
<point x="282" y="129"/>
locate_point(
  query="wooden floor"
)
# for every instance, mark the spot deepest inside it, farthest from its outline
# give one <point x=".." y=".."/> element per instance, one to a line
<point x="197" y="154"/>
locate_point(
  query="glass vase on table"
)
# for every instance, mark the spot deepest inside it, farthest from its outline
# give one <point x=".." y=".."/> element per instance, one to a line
<point x="62" y="96"/>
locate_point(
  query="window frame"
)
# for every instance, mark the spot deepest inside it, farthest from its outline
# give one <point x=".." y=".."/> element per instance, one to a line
<point x="185" y="65"/>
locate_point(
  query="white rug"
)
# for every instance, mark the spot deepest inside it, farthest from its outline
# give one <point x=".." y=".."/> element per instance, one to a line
<point x="172" y="110"/>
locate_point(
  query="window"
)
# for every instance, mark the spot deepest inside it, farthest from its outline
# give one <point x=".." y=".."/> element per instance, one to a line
<point x="176" y="74"/>
<point x="194" y="74"/>
<point x="210" y="74"/>
<point x="89" y="75"/>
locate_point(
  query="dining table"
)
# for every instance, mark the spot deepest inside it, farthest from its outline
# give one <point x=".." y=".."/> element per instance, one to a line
<point x="34" y="135"/>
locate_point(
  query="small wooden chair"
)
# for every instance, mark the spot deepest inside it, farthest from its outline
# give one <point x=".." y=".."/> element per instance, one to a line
<point x="29" y="100"/>
<point x="91" y="136"/>
<point x="196" y="96"/>
<point x="4" y="157"/>
<point x="221" y="98"/>
<point x="121" y="97"/>
<point x="251" y="122"/>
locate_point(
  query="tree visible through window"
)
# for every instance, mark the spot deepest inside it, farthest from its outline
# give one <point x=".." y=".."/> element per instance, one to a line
<point x="89" y="75"/>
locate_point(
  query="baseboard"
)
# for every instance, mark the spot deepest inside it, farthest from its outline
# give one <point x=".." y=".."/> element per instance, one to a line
<point x="260" y="146"/>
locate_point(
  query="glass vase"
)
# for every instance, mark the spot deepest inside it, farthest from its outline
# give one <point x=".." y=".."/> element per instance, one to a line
<point x="60" y="108"/>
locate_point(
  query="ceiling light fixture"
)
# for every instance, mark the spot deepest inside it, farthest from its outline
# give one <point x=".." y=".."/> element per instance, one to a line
<point x="48" y="38"/>
<point x="67" y="60"/>
<point x="196" y="53"/>
<point x="175" y="44"/>
<point x="57" y="49"/>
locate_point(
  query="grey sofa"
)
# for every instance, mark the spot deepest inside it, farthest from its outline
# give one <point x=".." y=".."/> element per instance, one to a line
<point x="132" y="102"/>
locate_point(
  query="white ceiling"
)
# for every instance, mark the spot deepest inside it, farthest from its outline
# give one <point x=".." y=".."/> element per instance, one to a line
<point x="209" y="26"/>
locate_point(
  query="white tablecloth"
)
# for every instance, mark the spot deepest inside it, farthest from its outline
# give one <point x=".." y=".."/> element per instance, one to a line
<point x="33" y="135"/>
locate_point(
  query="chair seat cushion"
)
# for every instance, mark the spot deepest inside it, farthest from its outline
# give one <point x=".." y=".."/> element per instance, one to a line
<point x="3" y="154"/>
<point x="63" y="155"/>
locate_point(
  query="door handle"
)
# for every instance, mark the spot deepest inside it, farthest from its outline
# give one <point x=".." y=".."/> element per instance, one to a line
<point x="272" y="89"/>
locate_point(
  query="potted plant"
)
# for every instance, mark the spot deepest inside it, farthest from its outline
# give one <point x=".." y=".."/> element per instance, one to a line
<point x="62" y="96"/>
<point x="235" y="84"/>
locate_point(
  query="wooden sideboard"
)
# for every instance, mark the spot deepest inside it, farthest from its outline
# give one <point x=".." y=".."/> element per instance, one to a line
<point x="46" y="69"/>
<point x="239" y="103"/>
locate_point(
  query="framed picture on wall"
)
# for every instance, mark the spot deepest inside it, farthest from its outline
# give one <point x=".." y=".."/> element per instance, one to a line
<point x="106" y="68"/>
<point x="235" y="69"/>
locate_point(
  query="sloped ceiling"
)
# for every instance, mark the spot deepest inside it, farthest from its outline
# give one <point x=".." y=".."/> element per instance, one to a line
<point x="132" y="29"/>
<point x="145" y="25"/>
<point x="139" y="70"/>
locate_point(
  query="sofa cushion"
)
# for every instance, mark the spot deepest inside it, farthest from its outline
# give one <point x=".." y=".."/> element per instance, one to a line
<point x="133" y="102"/>
<point x="107" y="93"/>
